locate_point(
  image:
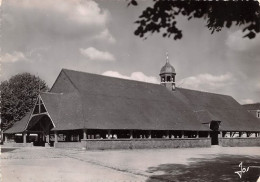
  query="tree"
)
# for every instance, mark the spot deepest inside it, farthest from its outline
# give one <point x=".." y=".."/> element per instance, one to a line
<point x="18" y="96"/>
<point x="217" y="14"/>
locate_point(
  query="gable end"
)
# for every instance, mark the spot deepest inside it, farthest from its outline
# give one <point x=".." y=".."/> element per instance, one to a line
<point x="63" y="84"/>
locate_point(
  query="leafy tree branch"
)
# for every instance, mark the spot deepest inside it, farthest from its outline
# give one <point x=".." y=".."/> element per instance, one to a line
<point x="18" y="96"/>
<point x="161" y="18"/>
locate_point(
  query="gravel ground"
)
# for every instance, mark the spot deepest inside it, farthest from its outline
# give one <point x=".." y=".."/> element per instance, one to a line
<point x="61" y="165"/>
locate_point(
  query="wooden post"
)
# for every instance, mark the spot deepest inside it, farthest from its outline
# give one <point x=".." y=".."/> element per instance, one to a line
<point x="197" y="134"/>
<point x="255" y="134"/>
<point x="220" y="134"/>
<point x="209" y="134"/>
<point x="182" y="134"/>
<point x="240" y="134"/>
<point x="39" y="103"/>
<point x="48" y="138"/>
<point x="109" y="134"/>
<point x="56" y="136"/>
<point x="167" y="134"/>
<point x="5" y="138"/>
<point x="43" y="137"/>
<point x="24" y="137"/>
<point x="131" y="134"/>
<point x="84" y="134"/>
<point x="149" y="134"/>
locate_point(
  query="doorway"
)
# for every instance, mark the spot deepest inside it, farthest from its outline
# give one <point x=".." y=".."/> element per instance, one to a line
<point x="41" y="126"/>
<point x="214" y="126"/>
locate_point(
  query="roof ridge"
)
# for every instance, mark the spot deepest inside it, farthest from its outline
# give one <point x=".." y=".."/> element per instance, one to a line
<point x="206" y="92"/>
<point x="132" y="81"/>
<point x="51" y="93"/>
<point x="105" y="76"/>
<point x="251" y="104"/>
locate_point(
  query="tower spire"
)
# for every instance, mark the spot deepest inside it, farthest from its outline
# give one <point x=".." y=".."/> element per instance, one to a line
<point x="167" y="57"/>
<point x="167" y="75"/>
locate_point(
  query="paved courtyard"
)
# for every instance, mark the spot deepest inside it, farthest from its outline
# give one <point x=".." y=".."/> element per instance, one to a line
<point x="40" y="164"/>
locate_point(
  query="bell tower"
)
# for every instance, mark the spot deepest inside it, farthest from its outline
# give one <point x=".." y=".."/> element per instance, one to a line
<point x="167" y="75"/>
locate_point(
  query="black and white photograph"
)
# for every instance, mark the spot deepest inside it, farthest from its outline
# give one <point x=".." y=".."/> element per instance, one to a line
<point x="129" y="91"/>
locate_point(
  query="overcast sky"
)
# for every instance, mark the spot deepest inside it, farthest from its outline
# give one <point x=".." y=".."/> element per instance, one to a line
<point x="42" y="37"/>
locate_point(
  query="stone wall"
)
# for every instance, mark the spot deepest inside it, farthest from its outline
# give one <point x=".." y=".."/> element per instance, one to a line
<point x="13" y="144"/>
<point x="68" y="145"/>
<point x="239" y="142"/>
<point x="145" y="143"/>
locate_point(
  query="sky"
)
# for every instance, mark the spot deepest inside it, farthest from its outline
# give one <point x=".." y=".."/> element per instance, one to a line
<point x="42" y="37"/>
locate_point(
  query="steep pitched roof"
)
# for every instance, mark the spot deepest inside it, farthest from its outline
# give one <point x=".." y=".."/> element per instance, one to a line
<point x="222" y="108"/>
<point x="99" y="102"/>
<point x="65" y="110"/>
<point x="51" y="102"/>
<point x="113" y="103"/>
<point x="19" y="126"/>
<point x="255" y="106"/>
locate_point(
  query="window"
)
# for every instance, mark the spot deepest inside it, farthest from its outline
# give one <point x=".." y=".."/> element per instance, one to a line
<point x="258" y="114"/>
<point x="168" y="78"/>
<point x="162" y="79"/>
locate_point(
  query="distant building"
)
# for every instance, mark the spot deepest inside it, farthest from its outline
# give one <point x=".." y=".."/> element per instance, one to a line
<point x="106" y="112"/>
<point x="253" y="109"/>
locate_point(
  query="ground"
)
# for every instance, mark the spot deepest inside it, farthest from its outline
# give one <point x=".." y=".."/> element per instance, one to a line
<point x="38" y="164"/>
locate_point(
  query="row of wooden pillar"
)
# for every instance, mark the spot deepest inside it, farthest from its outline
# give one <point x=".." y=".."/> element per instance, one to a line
<point x="25" y="135"/>
<point x="221" y="134"/>
<point x="149" y="134"/>
<point x="231" y="134"/>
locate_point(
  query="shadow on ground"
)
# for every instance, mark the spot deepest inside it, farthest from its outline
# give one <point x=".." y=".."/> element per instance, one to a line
<point x="220" y="168"/>
<point x="7" y="149"/>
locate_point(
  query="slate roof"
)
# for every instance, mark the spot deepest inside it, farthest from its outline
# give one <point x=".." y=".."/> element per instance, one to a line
<point x="113" y="103"/>
<point x="101" y="102"/>
<point x="65" y="110"/>
<point x="222" y="108"/>
<point x="255" y="106"/>
<point x="19" y="126"/>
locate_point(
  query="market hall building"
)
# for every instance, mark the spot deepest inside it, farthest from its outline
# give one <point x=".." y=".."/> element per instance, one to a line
<point x="98" y="112"/>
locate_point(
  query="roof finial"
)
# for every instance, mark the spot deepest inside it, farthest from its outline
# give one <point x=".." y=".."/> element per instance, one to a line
<point x="167" y="57"/>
